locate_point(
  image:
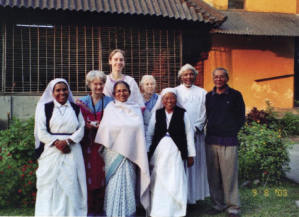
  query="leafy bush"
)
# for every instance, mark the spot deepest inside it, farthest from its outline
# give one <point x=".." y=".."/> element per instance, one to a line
<point x="289" y="124"/>
<point x="263" y="153"/>
<point x="17" y="169"/>
<point x="259" y="116"/>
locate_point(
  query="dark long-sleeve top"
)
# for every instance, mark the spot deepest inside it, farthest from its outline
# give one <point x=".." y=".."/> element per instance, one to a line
<point x="225" y="116"/>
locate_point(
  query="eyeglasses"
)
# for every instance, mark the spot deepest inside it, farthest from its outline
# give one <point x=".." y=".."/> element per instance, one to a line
<point x="122" y="91"/>
<point x="219" y="77"/>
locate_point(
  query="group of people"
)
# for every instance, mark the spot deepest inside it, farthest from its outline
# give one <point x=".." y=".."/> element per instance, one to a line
<point x="124" y="146"/>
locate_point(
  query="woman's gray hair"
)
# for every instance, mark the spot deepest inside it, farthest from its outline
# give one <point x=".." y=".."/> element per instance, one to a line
<point x="221" y="69"/>
<point x="187" y="67"/>
<point x="93" y="74"/>
<point x="147" y="77"/>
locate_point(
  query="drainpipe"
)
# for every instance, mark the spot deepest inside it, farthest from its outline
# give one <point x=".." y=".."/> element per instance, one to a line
<point x="10" y="113"/>
<point x="11" y="107"/>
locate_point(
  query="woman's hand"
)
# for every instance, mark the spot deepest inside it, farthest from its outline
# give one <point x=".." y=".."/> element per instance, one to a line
<point x="190" y="161"/>
<point x="62" y="146"/>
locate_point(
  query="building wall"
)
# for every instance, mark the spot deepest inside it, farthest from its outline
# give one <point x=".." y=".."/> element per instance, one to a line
<point x="252" y="58"/>
<point x="286" y="6"/>
<point x="21" y="107"/>
<point x="218" y="4"/>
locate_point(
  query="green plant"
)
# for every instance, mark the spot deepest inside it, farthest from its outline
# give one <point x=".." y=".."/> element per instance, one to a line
<point x="263" y="153"/>
<point x="289" y="124"/>
<point x="17" y="168"/>
<point x="259" y="116"/>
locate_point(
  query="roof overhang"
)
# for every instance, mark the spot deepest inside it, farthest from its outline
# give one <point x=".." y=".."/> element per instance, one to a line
<point x="194" y="11"/>
<point x="259" y="24"/>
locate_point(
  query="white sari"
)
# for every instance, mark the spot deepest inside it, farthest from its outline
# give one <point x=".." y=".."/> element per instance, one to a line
<point x="168" y="178"/>
<point x="61" y="181"/>
<point x="61" y="184"/>
<point x="121" y="133"/>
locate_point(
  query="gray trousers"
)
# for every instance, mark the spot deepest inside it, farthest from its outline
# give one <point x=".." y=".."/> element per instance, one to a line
<point x="222" y="165"/>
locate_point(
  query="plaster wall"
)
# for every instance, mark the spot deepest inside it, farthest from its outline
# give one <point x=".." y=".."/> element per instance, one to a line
<point x="286" y="6"/>
<point x="250" y="59"/>
<point x="22" y="107"/>
<point x="218" y="4"/>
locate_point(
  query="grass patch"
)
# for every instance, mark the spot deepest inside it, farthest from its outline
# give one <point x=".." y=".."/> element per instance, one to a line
<point x="274" y="201"/>
<point x="17" y="212"/>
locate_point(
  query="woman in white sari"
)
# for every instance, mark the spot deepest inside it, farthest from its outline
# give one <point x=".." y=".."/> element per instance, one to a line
<point x="61" y="181"/>
<point x="171" y="144"/>
<point x="122" y="135"/>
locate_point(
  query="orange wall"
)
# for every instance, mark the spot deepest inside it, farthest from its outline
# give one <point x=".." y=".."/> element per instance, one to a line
<point x="218" y="4"/>
<point x="282" y="6"/>
<point x="252" y="58"/>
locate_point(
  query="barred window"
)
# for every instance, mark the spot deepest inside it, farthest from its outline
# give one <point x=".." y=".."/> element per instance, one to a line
<point x="236" y="4"/>
<point x="32" y="55"/>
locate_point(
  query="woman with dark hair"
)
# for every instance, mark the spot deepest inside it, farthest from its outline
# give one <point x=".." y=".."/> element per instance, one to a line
<point x="122" y="135"/>
<point x="61" y="181"/>
<point x="92" y="108"/>
<point x="117" y="64"/>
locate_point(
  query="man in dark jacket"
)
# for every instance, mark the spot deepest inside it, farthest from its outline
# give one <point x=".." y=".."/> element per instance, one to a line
<point x="225" y="116"/>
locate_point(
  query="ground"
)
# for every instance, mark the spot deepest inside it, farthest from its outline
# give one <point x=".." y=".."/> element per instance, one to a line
<point x="275" y="201"/>
<point x="260" y="201"/>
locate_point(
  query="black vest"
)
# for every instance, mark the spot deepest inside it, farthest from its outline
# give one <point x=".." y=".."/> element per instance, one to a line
<point x="49" y="107"/>
<point x="176" y="131"/>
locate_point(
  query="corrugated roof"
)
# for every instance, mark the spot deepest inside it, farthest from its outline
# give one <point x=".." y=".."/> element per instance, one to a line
<point x="259" y="24"/>
<point x="190" y="10"/>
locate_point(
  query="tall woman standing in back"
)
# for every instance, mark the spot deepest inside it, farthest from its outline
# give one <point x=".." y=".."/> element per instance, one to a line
<point x="117" y="64"/>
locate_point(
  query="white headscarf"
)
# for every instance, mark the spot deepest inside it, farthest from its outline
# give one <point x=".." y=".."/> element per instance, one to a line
<point x="159" y="103"/>
<point x="168" y="90"/>
<point x="46" y="97"/>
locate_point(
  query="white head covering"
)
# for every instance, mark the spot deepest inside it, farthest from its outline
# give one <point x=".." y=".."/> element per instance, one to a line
<point x="46" y="97"/>
<point x="159" y="103"/>
<point x="48" y="93"/>
<point x="187" y="67"/>
<point x="168" y="90"/>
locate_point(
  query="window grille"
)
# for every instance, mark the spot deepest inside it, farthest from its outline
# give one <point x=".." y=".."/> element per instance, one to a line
<point x="236" y="4"/>
<point x="32" y="55"/>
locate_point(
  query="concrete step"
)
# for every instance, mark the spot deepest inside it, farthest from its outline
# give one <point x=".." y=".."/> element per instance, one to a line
<point x="293" y="174"/>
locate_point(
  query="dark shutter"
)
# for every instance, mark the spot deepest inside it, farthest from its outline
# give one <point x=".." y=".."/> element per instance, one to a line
<point x="32" y="55"/>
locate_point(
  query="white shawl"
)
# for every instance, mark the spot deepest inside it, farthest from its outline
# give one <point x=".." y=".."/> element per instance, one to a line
<point x="121" y="130"/>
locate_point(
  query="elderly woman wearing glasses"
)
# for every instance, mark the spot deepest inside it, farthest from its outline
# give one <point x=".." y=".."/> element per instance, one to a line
<point x="171" y="146"/>
<point x="121" y="133"/>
